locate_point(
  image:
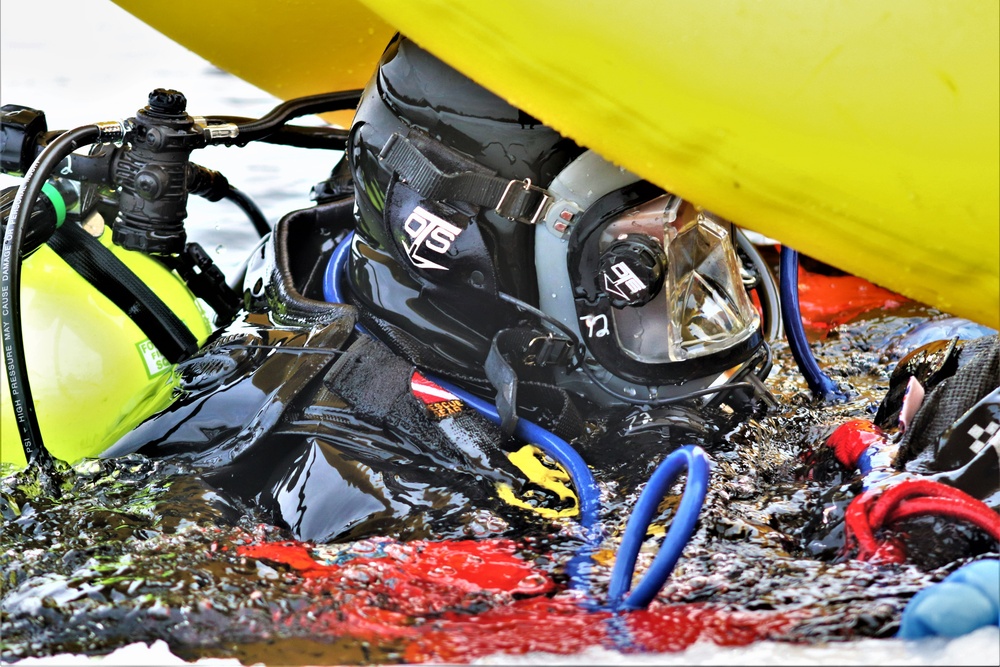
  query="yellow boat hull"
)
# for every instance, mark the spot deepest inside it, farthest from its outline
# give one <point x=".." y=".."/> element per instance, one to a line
<point x="865" y="133"/>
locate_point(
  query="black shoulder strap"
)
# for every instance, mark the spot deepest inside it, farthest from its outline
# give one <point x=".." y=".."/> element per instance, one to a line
<point x="110" y="276"/>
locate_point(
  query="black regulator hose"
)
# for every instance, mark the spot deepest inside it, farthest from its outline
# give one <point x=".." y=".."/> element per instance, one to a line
<point x="303" y="106"/>
<point x="297" y="136"/>
<point x="250" y="208"/>
<point x="10" y="290"/>
<point x="767" y="289"/>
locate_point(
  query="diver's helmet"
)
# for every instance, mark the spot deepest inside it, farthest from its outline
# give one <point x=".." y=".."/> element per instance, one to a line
<point x="492" y="249"/>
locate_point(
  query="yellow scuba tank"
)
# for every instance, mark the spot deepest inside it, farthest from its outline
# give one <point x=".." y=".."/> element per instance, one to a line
<point x="94" y="374"/>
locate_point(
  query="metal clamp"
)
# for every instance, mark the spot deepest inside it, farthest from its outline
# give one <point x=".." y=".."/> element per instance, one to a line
<point x="514" y="199"/>
<point x="113" y="131"/>
<point x="219" y="131"/>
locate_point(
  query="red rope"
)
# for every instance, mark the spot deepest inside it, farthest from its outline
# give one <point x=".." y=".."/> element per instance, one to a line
<point x="871" y="511"/>
<point x="858" y="527"/>
<point x="978" y="515"/>
<point x="895" y="495"/>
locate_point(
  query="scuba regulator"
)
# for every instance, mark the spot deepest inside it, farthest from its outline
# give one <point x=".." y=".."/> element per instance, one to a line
<point x="135" y="178"/>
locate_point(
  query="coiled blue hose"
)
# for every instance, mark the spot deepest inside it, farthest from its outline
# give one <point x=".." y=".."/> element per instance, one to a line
<point x="819" y="382"/>
<point x="681" y="528"/>
<point x="588" y="493"/>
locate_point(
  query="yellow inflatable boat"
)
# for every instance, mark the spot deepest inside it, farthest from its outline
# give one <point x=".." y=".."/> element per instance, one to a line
<point x="864" y="133"/>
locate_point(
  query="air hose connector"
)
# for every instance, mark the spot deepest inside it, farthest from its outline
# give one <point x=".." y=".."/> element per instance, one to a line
<point x="113" y="131"/>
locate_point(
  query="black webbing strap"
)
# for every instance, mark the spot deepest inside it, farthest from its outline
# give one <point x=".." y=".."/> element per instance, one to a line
<point x="112" y="278"/>
<point x="205" y="281"/>
<point x="514" y="365"/>
<point x="440" y="173"/>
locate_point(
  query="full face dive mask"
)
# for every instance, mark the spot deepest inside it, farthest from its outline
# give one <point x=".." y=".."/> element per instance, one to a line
<point x="651" y="284"/>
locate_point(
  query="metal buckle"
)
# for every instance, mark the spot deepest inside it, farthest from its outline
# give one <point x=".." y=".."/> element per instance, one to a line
<point x="545" y="350"/>
<point x="511" y="199"/>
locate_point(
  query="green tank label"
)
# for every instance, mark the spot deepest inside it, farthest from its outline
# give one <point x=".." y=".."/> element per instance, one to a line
<point x="155" y="362"/>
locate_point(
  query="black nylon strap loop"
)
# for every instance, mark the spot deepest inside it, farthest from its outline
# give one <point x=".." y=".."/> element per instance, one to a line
<point x="509" y="370"/>
<point x="438" y="172"/>
<point x="504" y="379"/>
<point x="112" y="278"/>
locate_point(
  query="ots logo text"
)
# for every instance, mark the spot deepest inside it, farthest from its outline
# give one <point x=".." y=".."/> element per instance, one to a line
<point x="624" y="278"/>
<point x="428" y="233"/>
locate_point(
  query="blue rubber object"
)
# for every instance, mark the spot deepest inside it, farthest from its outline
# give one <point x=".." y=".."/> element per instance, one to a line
<point x="551" y="444"/>
<point x="819" y="382"/>
<point x="681" y="528"/>
<point x="967" y="599"/>
<point x="587" y="491"/>
<point x="335" y="268"/>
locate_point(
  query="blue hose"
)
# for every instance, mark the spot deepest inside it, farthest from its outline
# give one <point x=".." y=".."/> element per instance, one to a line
<point x="681" y="528"/>
<point x="819" y="382"/>
<point x="589" y="494"/>
<point x="551" y="444"/>
<point x="335" y="269"/>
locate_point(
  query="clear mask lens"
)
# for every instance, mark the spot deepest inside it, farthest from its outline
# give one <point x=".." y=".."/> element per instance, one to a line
<point x="703" y="307"/>
<point x="709" y="307"/>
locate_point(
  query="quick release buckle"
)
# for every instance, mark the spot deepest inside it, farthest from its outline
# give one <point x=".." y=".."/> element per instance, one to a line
<point x="519" y="196"/>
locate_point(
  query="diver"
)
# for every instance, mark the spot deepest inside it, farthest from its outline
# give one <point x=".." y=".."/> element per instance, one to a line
<point x="463" y="248"/>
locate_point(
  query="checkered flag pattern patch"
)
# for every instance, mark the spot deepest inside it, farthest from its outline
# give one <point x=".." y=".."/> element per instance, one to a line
<point x="988" y="436"/>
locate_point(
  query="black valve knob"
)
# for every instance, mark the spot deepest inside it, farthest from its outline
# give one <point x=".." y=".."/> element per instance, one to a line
<point x="167" y="102"/>
<point x="21" y="130"/>
<point x="631" y="270"/>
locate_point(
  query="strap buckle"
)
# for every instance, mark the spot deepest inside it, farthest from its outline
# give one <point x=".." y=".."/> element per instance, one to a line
<point x="548" y="349"/>
<point x="515" y="200"/>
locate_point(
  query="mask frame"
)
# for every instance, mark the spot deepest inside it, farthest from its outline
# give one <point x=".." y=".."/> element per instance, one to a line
<point x="567" y="260"/>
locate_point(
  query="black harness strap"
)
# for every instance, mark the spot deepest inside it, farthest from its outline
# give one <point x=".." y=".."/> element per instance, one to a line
<point x="515" y="365"/>
<point x="112" y="278"/>
<point x="441" y="173"/>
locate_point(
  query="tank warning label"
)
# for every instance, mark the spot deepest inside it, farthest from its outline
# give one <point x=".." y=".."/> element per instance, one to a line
<point x="155" y="362"/>
<point x="440" y="402"/>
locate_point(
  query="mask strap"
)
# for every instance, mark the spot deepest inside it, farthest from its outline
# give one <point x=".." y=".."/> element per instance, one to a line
<point x="440" y="173"/>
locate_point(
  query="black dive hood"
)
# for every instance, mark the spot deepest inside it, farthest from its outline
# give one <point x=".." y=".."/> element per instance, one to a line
<point x="482" y="254"/>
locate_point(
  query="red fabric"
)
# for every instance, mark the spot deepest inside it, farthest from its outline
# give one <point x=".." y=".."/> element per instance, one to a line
<point x="852" y="438"/>
<point x="454" y="602"/>
<point x="561" y="626"/>
<point x="828" y="301"/>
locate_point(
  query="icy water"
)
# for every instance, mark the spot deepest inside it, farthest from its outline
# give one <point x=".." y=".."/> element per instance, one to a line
<point x="141" y="551"/>
<point x="88" y="61"/>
